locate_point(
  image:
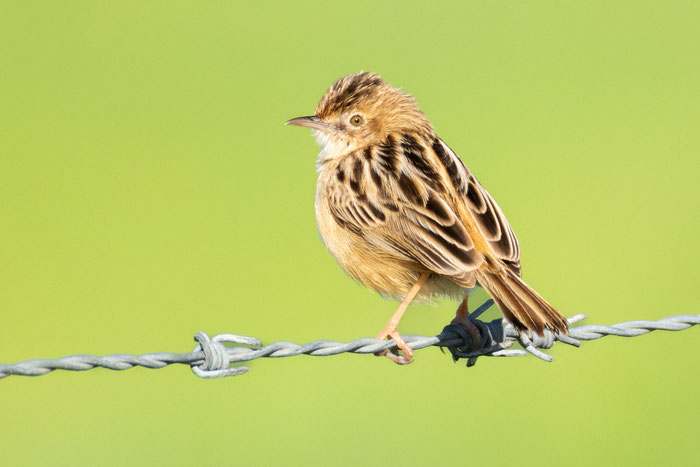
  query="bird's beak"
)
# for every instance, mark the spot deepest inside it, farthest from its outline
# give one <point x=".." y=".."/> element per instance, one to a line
<point x="311" y="122"/>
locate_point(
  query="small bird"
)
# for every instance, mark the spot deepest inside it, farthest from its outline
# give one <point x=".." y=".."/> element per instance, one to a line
<point x="401" y="213"/>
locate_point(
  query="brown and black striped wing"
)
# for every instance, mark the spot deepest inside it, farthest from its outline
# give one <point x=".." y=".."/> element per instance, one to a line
<point x="428" y="233"/>
<point x="394" y="195"/>
<point x="484" y="210"/>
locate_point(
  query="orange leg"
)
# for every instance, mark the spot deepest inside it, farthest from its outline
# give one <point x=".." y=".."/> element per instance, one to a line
<point x="462" y="317"/>
<point x="462" y="310"/>
<point x="391" y="331"/>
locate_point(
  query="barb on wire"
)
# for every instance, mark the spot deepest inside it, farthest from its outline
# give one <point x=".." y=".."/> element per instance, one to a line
<point x="212" y="359"/>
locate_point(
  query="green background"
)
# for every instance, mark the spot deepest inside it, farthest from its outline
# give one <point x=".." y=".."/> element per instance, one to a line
<point x="148" y="189"/>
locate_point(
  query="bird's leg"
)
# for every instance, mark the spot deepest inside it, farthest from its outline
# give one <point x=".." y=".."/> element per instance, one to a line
<point x="391" y="331"/>
<point x="462" y="317"/>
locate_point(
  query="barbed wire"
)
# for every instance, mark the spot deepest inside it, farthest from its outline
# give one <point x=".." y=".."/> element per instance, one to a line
<point x="211" y="358"/>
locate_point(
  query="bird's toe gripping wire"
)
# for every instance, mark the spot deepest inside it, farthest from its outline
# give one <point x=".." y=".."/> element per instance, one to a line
<point x="393" y="352"/>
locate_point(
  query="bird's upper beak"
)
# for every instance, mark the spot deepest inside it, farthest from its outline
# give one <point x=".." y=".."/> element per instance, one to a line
<point x="311" y="122"/>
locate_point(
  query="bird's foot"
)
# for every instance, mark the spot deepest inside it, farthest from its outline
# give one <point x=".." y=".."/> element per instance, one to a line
<point x="393" y="352"/>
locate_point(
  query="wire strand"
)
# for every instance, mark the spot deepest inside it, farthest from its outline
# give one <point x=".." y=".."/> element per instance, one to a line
<point x="211" y="358"/>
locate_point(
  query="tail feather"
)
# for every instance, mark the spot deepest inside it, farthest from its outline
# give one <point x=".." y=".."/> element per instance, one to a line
<point x="520" y="304"/>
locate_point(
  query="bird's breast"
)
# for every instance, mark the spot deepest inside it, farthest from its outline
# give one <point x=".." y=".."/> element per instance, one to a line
<point x="336" y="239"/>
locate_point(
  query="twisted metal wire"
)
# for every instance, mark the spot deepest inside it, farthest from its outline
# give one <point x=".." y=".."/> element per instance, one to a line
<point x="212" y="359"/>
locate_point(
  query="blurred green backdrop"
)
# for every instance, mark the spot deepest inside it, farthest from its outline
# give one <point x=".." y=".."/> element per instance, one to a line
<point x="148" y="189"/>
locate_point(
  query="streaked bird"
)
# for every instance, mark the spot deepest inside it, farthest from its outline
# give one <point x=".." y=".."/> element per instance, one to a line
<point x="403" y="215"/>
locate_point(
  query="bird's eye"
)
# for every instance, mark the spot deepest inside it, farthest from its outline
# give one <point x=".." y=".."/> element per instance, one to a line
<point x="356" y="120"/>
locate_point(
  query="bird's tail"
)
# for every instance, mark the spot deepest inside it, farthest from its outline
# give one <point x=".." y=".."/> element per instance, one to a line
<point x="520" y="304"/>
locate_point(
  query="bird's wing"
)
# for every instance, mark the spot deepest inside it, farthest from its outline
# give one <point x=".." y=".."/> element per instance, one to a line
<point x="480" y="207"/>
<point x="426" y="231"/>
<point x="396" y="197"/>
<point x="422" y="202"/>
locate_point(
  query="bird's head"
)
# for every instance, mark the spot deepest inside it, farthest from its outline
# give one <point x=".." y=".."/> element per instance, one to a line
<point x="360" y="110"/>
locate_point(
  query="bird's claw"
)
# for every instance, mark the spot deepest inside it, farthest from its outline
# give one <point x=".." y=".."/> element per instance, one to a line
<point x="393" y="352"/>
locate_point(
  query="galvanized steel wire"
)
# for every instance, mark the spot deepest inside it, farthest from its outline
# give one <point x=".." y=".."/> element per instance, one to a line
<point x="211" y="358"/>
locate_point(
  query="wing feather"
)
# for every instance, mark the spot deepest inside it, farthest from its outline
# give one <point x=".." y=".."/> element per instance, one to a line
<point x="488" y="216"/>
<point x="411" y="216"/>
<point x="416" y="221"/>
